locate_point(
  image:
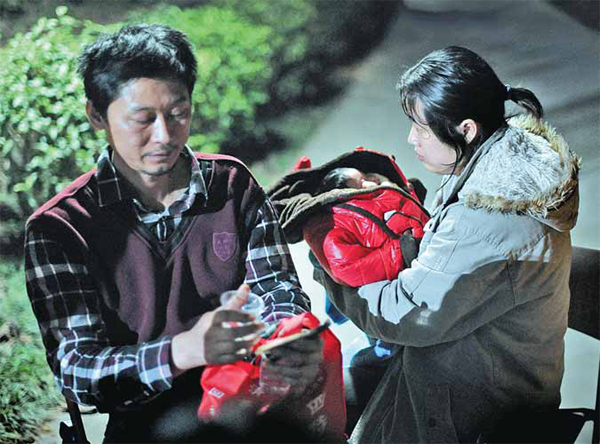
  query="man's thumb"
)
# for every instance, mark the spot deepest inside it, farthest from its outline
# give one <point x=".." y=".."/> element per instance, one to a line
<point x="237" y="301"/>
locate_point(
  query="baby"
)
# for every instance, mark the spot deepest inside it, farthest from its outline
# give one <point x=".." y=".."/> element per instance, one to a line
<point x="358" y="241"/>
<point x="346" y="177"/>
<point x="352" y="243"/>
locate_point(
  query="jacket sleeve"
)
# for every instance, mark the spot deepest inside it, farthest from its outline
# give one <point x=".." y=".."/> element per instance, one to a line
<point x="354" y="261"/>
<point x="458" y="283"/>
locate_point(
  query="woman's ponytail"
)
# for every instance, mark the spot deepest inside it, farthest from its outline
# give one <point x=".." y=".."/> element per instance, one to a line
<point x="526" y="99"/>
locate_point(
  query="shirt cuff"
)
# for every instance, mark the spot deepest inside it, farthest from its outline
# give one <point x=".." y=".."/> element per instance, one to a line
<point x="154" y="366"/>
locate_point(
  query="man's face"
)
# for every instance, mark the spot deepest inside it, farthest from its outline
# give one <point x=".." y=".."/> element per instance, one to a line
<point x="148" y="125"/>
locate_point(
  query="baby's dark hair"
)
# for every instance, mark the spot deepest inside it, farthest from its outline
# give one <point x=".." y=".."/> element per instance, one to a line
<point x="336" y="178"/>
<point x="135" y="51"/>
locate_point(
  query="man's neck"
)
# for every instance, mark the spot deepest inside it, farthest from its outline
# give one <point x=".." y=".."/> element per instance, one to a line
<point x="158" y="192"/>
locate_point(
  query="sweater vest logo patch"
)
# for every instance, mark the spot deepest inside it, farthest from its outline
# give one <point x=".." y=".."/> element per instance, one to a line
<point x="224" y="245"/>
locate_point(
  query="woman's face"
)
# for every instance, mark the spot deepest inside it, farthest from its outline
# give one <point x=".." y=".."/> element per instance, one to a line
<point x="435" y="155"/>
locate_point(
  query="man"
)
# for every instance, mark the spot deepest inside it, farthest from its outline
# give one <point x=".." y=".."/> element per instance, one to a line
<point x="125" y="266"/>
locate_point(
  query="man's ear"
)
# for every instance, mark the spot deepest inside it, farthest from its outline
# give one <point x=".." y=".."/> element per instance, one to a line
<point x="469" y="129"/>
<point x="96" y="119"/>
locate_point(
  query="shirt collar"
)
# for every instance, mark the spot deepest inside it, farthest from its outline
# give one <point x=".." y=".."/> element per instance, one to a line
<point x="113" y="188"/>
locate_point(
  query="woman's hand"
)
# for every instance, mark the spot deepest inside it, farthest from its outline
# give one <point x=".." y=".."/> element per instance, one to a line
<point x="296" y="363"/>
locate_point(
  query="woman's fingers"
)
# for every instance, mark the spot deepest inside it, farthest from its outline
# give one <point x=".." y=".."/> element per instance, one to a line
<point x="296" y="363"/>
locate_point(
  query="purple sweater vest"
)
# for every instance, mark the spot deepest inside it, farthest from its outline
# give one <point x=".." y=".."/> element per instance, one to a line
<point x="147" y="289"/>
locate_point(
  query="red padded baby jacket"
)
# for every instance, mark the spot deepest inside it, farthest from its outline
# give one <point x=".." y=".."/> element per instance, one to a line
<point x="353" y="247"/>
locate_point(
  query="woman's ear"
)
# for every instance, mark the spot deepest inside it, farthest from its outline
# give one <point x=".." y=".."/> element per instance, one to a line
<point x="96" y="119"/>
<point x="469" y="129"/>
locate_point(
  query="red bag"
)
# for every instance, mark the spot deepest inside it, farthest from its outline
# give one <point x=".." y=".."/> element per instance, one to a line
<point x="322" y="406"/>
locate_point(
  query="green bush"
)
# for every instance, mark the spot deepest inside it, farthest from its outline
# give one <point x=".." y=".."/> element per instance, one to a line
<point x="314" y="37"/>
<point x="28" y="390"/>
<point x="10" y="7"/>
<point x="291" y="43"/>
<point x="31" y="391"/>
<point x="45" y="138"/>
<point x="234" y="68"/>
<point x="254" y="56"/>
<point x="358" y="26"/>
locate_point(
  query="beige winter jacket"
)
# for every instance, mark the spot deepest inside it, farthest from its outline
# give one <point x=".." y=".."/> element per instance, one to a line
<point x="482" y="312"/>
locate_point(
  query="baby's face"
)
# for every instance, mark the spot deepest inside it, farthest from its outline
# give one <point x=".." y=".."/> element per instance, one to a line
<point x="358" y="179"/>
<point x="355" y="178"/>
<point x="374" y="179"/>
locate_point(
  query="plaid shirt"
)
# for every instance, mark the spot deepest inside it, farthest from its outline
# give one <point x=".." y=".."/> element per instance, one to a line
<point x="78" y="350"/>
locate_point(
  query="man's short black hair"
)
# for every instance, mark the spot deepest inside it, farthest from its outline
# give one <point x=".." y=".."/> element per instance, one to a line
<point x="135" y="51"/>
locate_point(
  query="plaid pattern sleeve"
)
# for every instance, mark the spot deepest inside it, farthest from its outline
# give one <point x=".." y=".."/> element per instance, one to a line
<point x="87" y="369"/>
<point x="270" y="270"/>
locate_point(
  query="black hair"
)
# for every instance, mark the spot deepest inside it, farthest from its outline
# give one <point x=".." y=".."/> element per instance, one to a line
<point x="454" y="84"/>
<point x="336" y="178"/>
<point x="135" y="51"/>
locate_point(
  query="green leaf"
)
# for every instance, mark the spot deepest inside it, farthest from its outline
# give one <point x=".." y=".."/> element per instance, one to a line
<point x="61" y="10"/>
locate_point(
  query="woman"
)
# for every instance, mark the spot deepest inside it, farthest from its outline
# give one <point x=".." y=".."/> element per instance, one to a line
<point x="482" y="311"/>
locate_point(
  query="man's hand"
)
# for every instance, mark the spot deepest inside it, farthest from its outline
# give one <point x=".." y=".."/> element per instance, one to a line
<point x="215" y="339"/>
<point x="296" y="363"/>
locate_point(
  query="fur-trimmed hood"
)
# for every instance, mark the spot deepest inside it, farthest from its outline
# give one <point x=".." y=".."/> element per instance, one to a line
<point x="529" y="169"/>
